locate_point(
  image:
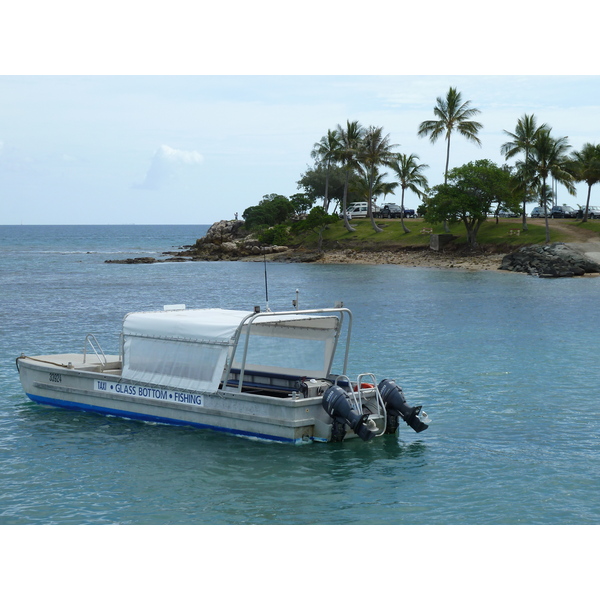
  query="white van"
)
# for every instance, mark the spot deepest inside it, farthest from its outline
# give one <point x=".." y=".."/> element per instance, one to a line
<point x="358" y="209"/>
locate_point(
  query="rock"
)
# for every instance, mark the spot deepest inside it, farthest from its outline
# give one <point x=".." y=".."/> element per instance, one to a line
<point x="438" y="241"/>
<point x="227" y="240"/>
<point x="229" y="247"/>
<point x="553" y="260"/>
<point x="133" y="261"/>
<point x="224" y="240"/>
<point x="221" y="232"/>
<point x="299" y="256"/>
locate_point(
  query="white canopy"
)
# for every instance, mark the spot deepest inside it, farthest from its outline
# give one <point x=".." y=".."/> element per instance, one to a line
<point x="184" y="349"/>
<point x="189" y="348"/>
<point x="213" y="324"/>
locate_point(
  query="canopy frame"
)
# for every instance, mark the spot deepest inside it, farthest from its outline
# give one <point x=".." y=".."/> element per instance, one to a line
<point x="247" y="323"/>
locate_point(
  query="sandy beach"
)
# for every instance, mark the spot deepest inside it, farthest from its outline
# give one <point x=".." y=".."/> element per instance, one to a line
<point x="415" y="258"/>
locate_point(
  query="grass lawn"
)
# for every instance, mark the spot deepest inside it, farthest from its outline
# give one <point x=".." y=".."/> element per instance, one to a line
<point x="501" y="237"/>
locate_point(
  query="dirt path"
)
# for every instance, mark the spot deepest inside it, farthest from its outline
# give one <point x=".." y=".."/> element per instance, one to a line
<point x="567" y="227"/>
<point x="583" y="240"/>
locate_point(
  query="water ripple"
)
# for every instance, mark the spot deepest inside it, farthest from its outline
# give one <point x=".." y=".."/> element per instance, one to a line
<point x="505" y="366"/>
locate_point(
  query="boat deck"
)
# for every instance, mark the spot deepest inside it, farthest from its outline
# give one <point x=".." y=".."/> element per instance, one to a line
<point x="79" y="362"/>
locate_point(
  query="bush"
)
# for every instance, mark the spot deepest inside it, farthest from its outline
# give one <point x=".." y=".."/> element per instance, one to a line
<point x="276" y="236"/>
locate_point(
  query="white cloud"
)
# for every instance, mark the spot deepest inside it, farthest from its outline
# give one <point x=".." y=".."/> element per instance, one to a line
<point x="179" y="156"/>
<point x="165" y="165"/>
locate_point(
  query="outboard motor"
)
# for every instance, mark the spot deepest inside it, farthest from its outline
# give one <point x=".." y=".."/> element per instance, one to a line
<point x="338" y="405"/>
<point x="396" y="406"/>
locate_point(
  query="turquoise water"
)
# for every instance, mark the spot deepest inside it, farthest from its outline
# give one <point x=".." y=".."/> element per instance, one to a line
<point x="505" y="365"/>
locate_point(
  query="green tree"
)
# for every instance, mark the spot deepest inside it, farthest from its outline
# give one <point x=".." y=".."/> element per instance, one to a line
<point x="387" y="187"/>
<point x="325" y="153"/>
<point x="452" y="114"/>
<point x="410" y="175"/>
<point x="511" y="204"/>
<point x="302" y="203"/>
<point x="548" y="157"/>
<point x="361" y="186"/>
<point x="271" y="210"/>
<point x="522" y="141"/>
<point x="350" y="139"/>
<point x="468" y="196"/>
<point x="584" y="165"/>
<point x="313" y="181"/>
<point x="374" y="151"/>
<point x="317" y="220"/>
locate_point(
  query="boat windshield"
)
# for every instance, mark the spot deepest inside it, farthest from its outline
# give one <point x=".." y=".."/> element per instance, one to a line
<point x="290" y="348"/>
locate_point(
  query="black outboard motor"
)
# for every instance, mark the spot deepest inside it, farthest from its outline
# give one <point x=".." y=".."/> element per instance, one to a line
<point x="338" y="405"/>
<point x="396" y="406"/>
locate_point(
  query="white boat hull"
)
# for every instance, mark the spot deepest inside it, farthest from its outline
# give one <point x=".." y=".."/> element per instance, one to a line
<point x="88" y="386"/>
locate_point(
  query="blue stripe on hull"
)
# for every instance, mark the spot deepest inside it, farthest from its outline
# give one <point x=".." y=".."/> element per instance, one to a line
<point x="154" y="419"/>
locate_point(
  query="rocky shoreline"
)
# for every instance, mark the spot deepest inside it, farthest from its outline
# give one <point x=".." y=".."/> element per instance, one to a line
<point x="226" y="240"/>
<point x="552" y="260"/>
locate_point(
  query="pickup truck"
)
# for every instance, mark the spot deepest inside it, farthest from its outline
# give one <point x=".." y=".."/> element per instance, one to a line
<point x="393" y="211"/>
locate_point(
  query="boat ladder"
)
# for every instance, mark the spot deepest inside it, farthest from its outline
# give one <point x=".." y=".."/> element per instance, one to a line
<point x="365" y="384"/>
<point x="92" y="342"/>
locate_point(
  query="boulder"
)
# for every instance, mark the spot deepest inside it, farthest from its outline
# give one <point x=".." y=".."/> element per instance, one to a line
<point x="229" y="247"/>
<point x="227" y="240"/>
<point x="552" y="260"/>
<point x="221" y="231"/>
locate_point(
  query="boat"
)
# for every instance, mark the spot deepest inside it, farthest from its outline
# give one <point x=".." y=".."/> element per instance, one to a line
<point x="252" y="373"/>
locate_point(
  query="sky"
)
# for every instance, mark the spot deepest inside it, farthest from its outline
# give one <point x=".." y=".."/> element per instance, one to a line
<point x="150" y="134"/>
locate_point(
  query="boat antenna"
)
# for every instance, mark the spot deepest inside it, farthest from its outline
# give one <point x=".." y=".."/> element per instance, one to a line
<point x="266" y="283"/>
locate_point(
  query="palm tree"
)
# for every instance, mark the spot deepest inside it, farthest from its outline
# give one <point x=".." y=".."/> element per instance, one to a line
<point x="375" y="150"/>
<point x="585" y="166"/>
<point x="453" y="114"/>
<point x="548" y="157"/>
<point x="522" y="140"/>
<point x="325" y="152"/>
<point x="410" y="175"/>
<point x="360" y="185"/>
<point x="349" y="142"/>
<point x="387" y="187"/>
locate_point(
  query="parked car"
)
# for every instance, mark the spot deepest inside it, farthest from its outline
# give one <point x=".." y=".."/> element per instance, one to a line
<point x="537" y="212"/>
<point x="594" y="212"/>
<point x="393" y="211"/>
<point x="389" y="211"/>
<point x="563" y="212"/>
<point x="357" y="209"/>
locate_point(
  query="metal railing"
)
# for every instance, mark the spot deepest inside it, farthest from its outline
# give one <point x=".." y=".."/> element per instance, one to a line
<point x="90" y="339"/>
<point x="358" y="395"/>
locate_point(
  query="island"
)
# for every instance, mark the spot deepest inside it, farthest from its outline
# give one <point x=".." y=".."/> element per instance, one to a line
<point x="227" y="240"/>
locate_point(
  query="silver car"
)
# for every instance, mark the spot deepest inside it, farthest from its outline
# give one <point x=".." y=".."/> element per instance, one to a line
<point x="594" y="212"/>
<point x="538" y="212"/>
